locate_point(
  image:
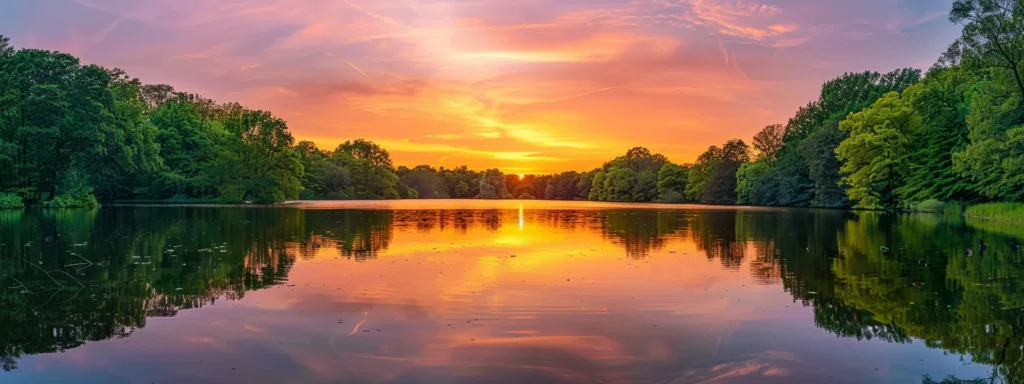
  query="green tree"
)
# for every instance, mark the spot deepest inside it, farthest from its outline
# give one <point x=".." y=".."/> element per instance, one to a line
<point x="646" y="187"/>
<point x="597" y="187"/>
<point x="562" y="186"/>
<point x="639" y="159"/>
<point x="632" y="177"/>
<point x="128" y="149"/>
<point x="823" y="168"/>
<point x="188" y="138"/>
<point x="314" y="176"/>
<point x="942" y="100"/>
<point x="672" y="183"/>
<point x="339" y="183"/>
<point x="68" y="129"/>
<point x="993" y="160"/>
<point x="425" y="181"/>
<point x="700" y="172"/>
<point x="6" y="50"/>
<point x="461" y="189"/>
<point x="876" y="154"/>
<point x="55" y="111"/>
<point x="787" y="184"/>
<point x="768" y="142"/>
<point x="991" y="36"/>
<point x="492" y="185"/>
<point x="808" y="173"/>
<point x="368" y="181"/>
<point x="257" y="161"/>
<point x="584" y="185"/>
<point x="619" y="185"/>
<point x="454" y="177"/>
<point x="155" y="95"/>
<point x="367" y="150"/>
<point x="747" y="177"/>
<point x="712" y="179"/>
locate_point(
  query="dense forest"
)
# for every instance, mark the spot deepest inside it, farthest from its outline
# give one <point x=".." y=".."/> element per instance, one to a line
<point x="75" y="135"/>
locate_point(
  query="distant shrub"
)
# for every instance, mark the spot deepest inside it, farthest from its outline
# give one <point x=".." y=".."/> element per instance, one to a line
<point x="936" y="206"/>
<point x="181" y="197"/>
<point x="231" y="194"/>
<point x="672" y="197"/>
<point x="11" y="201"/>
<point x="933" y="206"/>
<point x="78" y="197"/>
<point x="526" y="196"/>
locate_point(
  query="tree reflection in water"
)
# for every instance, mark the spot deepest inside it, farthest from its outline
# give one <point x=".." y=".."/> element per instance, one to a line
<point x="83" y="275"/>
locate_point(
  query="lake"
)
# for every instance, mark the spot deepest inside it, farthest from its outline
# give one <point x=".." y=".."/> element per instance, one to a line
<point x="506" y="292"/>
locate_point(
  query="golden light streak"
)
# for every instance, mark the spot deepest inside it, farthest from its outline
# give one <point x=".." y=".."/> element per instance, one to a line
<point x="520" y="217"/>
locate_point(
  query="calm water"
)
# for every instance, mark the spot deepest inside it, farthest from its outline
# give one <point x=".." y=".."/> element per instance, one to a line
<point x="505" y="292"/>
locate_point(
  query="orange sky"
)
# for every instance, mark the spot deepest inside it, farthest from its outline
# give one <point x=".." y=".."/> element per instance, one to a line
<point x="526" y="86"/>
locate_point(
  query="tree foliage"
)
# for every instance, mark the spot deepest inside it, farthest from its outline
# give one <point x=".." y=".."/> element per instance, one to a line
<point x="492" y="185"/>
<point x="70" y="131"/>
<point x="876" y="154"/>
<point x="768" y="142"/>
<point x="747" y="177"/>
<point x="806" y="171"/>
<point x="993" y="159"/>
<point x="672" y="181"/>
<point x="942" y="100"/>
<point x="992" y="36"/>
<point x="425" y="181"/>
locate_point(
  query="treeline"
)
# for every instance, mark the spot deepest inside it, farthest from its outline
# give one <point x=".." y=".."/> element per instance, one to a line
<point x="897" y="140"/>
<point x="71" y="134"/>
<point x="900" y="140"/>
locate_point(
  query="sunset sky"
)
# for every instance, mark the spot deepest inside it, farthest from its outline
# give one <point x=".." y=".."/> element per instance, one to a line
<point x="522" y="85"/>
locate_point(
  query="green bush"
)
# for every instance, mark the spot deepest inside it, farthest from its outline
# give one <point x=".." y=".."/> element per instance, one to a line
<point x="934" y="206"/>
<point x="10" y="201"/>
<point x="180" y="197"/>
<point x="78" y="197"/>
<point x="231" y="194"/>
<point x="672" y="197"/>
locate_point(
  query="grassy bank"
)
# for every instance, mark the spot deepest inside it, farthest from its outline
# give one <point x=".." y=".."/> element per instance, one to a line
<point x="1006" y="212"/>
<point x="1004" y="218"/>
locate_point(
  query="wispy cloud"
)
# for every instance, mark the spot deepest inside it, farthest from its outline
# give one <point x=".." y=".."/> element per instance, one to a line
<point x="357" y="69"/>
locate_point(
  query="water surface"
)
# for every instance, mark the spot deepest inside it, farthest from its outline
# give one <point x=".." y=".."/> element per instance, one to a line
<point x="505" y="292"/>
